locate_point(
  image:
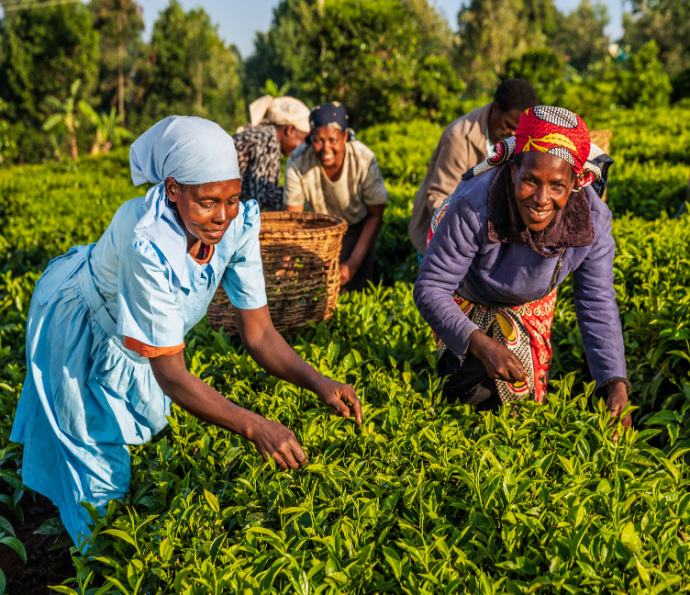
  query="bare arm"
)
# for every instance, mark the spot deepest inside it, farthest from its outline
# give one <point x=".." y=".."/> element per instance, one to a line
<point x="370" y="231"/>
<point x="270" y="350"/>
<point x="202" y="401"/>
<point x="294" y="208"/>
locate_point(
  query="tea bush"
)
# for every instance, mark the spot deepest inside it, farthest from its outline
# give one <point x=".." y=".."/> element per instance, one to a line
<point x="424" y="497"/>
<point x="651" y="148"/>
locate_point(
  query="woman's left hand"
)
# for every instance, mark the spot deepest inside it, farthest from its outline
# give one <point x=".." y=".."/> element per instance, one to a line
<point x="616" y="403"/>
<point x="346" y="273"/>
<point x="336" y="395"/>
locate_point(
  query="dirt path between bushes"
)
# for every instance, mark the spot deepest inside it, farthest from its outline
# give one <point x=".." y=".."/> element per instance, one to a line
<point x="44" y="567"/>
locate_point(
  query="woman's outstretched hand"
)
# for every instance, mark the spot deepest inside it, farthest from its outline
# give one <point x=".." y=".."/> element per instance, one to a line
<point x="275" y="440"/>
<point x="616" y="403"/>
<point x="500" y="362"/>
<point x="338" y="395"/>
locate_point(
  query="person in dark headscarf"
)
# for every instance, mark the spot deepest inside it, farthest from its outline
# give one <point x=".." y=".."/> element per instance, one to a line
<point x="500" y="246"/>
<point x="335" y="173"/>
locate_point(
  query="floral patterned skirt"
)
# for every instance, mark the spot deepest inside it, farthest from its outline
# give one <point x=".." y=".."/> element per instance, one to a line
<point x="526" y="331"/>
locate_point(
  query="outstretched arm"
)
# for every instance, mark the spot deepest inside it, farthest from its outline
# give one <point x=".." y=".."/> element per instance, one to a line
<point x="202" y="401"/>
<point x="370" y="231"/>
<point x="268" y="348"/>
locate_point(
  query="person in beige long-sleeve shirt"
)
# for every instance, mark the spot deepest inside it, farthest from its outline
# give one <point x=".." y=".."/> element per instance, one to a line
<point x="463" y="144"/>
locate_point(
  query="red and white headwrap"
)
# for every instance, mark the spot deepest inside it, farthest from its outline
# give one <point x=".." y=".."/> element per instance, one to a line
<point x="553" y="130"/>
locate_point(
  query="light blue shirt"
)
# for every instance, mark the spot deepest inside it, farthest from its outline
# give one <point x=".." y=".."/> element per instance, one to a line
<point x="86" y="396"/>
<point x="142" y="292"/>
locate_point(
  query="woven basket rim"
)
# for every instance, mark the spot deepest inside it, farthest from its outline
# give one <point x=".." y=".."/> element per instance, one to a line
<point x="337" y="224"/>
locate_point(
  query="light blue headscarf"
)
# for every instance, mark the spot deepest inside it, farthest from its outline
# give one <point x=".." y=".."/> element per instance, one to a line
<point x="190" y="150"/>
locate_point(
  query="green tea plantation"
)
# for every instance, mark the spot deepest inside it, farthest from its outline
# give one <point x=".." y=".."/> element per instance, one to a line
<point x="424" y="496"/>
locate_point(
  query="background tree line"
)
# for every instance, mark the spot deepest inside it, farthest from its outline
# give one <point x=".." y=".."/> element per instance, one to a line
<point x="386" y="60"/>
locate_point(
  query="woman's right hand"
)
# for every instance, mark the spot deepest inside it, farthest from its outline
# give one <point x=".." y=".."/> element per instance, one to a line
<point x="500" y="362"/>
<point x="274" y="439"/>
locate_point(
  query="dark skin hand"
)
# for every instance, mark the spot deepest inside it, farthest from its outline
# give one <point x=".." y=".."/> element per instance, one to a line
<point x="543" y="184"/>
<point x="502" y="364"/>
<point x="207" y="211"/>
<point x="329" y="145"/>
<point x="616" y="402"/>
<point x="502" y="125"/>
<point x="370" y="231"/>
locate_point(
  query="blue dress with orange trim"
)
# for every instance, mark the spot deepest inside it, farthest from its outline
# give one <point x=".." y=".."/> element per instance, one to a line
<point x="86" y="396"/>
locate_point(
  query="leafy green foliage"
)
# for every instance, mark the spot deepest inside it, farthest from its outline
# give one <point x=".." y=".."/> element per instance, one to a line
<point x="189" y="71"/>
<point x="8" y="147"/>
<point x="492" y="32"/>
<point x="119" y="24"/>
<point x="638" y="81"/>
<point x="108" y="131"/>
<point x="543" y="69"/>
<point x="424" y="497"/>
<point x="374" y="56"/>
<point x="43" y="52"/>
<point x="579" y="36"/>
<point x="667" y="22"/>
<point x="681" y="86"/>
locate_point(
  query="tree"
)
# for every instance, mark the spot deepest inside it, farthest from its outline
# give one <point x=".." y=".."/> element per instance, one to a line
<point x="374" y="56"/>
<point x="66" y="117"/>
<point x="543" y="69"/>
<point x="108" y="131"/>
<point x="580" y="36"/>
<point x="645" y="83"/>
<point x="491" y="32"/>
<point x="190" y="71"/>
<point x="44" y="49"/>
<point x="637" y="81"/>
<point x="8" y="147"/>
<point x="667" y="22"/>
<point x="120" y="25"/>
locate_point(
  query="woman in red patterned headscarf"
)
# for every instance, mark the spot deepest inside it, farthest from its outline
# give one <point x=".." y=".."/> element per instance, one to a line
<point x="500" y="245"/>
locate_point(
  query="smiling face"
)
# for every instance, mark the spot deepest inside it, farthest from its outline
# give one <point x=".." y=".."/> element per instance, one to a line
<point x="543" y="183"/>
<point x="329" y="145"/>
<point x="207" y="210"/>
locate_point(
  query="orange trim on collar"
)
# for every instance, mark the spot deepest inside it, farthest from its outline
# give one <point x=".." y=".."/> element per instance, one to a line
<point x="148" y="351"/>
<point x="206" y="260"/>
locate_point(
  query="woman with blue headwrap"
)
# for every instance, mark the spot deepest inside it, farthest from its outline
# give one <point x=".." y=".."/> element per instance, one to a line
<point x="106" y="327"/>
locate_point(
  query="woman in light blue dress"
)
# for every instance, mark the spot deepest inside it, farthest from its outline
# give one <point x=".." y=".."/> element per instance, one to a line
<point x="105" y="331"/>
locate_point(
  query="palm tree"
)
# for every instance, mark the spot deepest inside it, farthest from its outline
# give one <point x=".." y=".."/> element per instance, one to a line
<point x="108" y="132"/>
<point x="65" y="115"/>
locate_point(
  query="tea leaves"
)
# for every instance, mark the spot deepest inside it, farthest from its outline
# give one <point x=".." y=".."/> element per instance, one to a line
<point x="425" y="496"/>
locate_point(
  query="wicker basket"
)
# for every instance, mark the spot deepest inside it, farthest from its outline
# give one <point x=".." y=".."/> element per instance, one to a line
<point x="602" y="139"/>
<point x="301" y="257"/>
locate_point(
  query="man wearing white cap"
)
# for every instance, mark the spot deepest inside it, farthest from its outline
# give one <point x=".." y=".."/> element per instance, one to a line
<point x="278" y="125"/>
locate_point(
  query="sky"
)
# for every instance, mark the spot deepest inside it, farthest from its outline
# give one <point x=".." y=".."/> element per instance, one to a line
<point x="238" y="20"/>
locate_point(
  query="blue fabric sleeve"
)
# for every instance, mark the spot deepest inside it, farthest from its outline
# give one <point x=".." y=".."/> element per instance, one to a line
<point x="147" y="308"/>
<point x="596" y="307"/>
<point x="243" y="279"/>
<point x="445" y="264"/>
